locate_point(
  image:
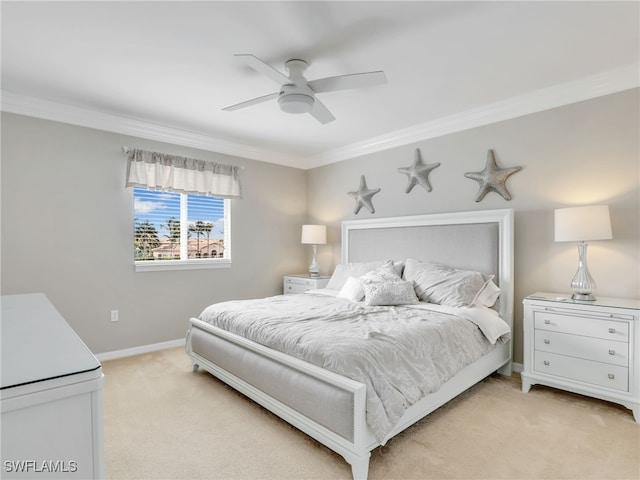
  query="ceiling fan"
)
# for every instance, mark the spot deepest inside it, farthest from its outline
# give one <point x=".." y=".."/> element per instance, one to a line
<point x="297" y="95"/>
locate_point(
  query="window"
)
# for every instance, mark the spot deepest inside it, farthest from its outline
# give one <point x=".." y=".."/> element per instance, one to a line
<point x="180" y="230"/>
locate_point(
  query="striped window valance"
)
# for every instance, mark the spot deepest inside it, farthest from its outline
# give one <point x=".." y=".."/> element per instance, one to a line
<point x="160" y="171"/>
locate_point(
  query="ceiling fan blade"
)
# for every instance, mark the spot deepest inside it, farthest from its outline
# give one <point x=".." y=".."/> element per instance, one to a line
<point x="321" y="113"/>
<point x="344" y="82"/>
<point x="254" y="101"/>
<point x="258" y="65"/>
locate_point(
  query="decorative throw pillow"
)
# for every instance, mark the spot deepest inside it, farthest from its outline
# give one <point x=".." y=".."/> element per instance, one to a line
<point x="352" y="290"/>
<point x="488" y="295"/>
<point x="442" y="284"/>
<point x="390" y="293"/>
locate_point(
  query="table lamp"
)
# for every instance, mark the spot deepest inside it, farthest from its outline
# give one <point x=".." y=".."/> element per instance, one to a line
<point x="314" y="235"/>
<point x="579" y="224"/>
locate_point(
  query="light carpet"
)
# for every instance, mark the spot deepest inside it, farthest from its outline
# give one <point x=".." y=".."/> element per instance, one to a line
<point x="164" y="422"/>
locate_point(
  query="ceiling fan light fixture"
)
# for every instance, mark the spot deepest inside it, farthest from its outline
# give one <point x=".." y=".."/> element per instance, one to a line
<point x="296" y="103"/>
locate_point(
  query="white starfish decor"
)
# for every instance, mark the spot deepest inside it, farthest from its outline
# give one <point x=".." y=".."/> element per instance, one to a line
<point x="363" y="196"/>
<point x="418" y="173"/>
<point x="492" y="178"/>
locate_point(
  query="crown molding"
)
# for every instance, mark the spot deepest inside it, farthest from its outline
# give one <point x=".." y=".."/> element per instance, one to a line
<point x="586" y="88"/>
<point x="59" y="112"/>
<point x="604" y="83"/>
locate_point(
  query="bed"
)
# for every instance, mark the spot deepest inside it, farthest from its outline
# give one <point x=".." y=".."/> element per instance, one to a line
<point x="335" y="408"/>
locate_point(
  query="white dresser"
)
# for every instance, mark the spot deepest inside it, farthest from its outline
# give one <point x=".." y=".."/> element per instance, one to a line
<point x="302" y="283"/>
<point x="50" y="396"/>
<point x="589" y="348"/>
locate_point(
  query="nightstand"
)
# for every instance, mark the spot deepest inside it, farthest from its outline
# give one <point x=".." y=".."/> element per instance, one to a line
<point x="590" y="348"/>
<point x="302" y="283"/>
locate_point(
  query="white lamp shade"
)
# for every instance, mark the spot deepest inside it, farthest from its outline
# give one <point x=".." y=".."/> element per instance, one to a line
<point x="314" y="234"/>
<point x="578" y="224"/>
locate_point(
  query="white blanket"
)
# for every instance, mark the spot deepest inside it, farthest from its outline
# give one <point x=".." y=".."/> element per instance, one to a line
<point x="399" y="353"/>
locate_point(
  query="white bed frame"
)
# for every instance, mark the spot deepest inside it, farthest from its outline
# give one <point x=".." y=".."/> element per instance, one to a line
<point x="356" y="446"/>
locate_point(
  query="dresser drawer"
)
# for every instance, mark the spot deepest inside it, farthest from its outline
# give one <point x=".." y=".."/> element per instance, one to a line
<point x="596" y="373"/>
<point x="590" y="327"/>
<point x="588" y="348"/>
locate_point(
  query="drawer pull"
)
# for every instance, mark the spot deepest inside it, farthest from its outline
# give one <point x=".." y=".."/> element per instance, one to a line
<point x="547" y="322"/>
<point x="612" y="330"/>
<point x="611" y="376"/>
<point x="546" y="362"/>
<point x="612" y="352"/>
<point x="547" y="341"/>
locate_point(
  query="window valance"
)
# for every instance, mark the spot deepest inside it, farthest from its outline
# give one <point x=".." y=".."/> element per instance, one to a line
<point x="160" y="171"/>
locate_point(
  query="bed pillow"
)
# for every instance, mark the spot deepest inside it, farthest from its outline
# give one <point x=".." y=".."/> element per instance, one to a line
<point x="488" y="295"/>
<point x="352" y="290"/>
<point x="442" y="284"/>
<point x="400" y="292"/>
<point x="345" y="270"/>
<point x="384" y="273"/>
<point x="356" y="269"/>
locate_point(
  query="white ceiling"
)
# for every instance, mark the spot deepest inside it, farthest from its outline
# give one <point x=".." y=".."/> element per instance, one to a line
<point x="164" y="70"/>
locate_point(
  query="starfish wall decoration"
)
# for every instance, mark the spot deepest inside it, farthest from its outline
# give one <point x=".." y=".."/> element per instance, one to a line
<point x="418" y="173"/>
<point x="492" y="178"/>
<point x="363" y="196"/>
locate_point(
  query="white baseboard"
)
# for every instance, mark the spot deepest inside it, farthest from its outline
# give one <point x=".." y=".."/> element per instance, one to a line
<point x="517" y="367"/>
<point x="128" y="352"/>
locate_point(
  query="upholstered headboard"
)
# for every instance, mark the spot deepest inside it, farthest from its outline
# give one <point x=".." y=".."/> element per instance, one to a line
<point x="477" y="240"/>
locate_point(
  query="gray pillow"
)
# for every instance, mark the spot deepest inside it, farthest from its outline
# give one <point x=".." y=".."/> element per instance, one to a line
<point x="442" y="284"/>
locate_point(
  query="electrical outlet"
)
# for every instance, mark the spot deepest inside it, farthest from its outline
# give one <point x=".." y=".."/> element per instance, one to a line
<point x="114" y="315"/>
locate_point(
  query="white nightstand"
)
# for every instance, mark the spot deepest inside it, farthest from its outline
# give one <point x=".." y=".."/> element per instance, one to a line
<point x="591" y="348"/>
<point x="302" y="283"/>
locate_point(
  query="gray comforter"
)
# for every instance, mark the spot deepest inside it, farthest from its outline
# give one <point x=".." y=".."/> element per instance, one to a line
<point x="399" y="353"/>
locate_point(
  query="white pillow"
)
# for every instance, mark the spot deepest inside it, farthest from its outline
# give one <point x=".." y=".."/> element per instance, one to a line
<point x="488" y="295"/>
<point x="355" y="269"/>
<point x="343" y="271"/>
<point x="390" y="293"/>
<point x="384" y="273"/>
<point x="352" y="290"/>
<point x="442" y="284"/>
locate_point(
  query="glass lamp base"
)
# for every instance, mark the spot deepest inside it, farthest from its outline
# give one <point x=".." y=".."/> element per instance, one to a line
<point x="582" y="284"/>
<point x="314" y="271"/>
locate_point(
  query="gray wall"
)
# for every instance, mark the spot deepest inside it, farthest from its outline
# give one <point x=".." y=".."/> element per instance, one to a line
<point x="581" y="154"/>
<point x="67" y="231"/>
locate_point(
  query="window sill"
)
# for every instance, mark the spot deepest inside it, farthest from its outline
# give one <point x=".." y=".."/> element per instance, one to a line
<point x="162" y="265"/>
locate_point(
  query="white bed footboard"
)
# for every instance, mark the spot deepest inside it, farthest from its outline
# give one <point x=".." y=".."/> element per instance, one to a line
<point x="324" y="405"/>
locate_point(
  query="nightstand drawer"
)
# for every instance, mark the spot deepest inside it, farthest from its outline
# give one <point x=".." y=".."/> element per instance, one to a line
<point x="307" y="282"/>
<point x="602" y="374"/>
<point x="295" y="287"/>
<point x="588" y="348"/>
<point x="590" y="327"/>
<point x="302" y="283"/>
